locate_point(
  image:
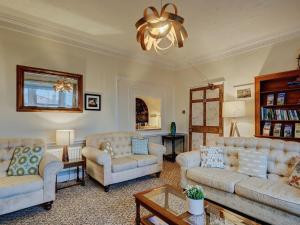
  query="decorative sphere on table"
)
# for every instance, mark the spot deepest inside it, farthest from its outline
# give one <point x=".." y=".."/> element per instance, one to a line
<point x="173" y="128"/>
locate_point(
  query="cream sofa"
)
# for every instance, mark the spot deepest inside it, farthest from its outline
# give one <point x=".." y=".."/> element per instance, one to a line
<point x="124" y="165"/>
<point x="270" y="200"/>
<point x="19" y="192"/>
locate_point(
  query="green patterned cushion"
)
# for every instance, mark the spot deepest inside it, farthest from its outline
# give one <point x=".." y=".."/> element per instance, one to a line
<point x="25" y="161"/>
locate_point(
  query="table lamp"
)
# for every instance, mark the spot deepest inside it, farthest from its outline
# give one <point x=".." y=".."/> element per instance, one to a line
<point x="233" y="110"/>
<point x="65" y="138"/>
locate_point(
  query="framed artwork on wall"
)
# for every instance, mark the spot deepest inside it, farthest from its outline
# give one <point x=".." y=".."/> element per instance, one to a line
<point x="244" y="91"/>
<point x="92" y="102"/>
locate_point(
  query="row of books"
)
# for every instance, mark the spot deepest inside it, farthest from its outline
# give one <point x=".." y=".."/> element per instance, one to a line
<point x="279" y="114"/>
<point x="281" y="131"/>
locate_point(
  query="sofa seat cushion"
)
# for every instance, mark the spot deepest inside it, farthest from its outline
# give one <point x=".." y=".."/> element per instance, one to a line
<point x="123" y="163"/>
<point x="276" y="194"/>
<point x="221" y="179"/>
<point x="144" y="160"/>
<point x="15" y="185"/>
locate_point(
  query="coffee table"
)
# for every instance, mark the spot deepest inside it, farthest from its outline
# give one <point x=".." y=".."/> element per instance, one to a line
<point x="167" y="205"/>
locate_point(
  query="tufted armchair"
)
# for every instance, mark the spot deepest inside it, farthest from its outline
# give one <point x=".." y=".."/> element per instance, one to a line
<point x="271" y="200"/>
<point x="123" y="165"/>
<point x="19" y="192"/>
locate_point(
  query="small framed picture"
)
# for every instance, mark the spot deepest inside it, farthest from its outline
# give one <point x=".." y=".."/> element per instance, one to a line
<point x="92" y="102"/>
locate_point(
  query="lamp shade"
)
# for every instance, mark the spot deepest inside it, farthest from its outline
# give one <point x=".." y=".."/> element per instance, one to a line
<point x="234" y="109"/>
<point x="65" y="137"/>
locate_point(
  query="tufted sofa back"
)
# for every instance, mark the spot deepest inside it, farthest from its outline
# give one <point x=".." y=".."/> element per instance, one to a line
<point x="7" y="147"/>
<point x="120" y="141"/>
<point x="281" y="154"/>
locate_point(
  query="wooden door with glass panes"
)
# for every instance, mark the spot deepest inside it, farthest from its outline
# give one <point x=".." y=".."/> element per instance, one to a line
<point x="205" y="122"/>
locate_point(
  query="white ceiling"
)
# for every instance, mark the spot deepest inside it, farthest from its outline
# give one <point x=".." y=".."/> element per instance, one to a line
<point x="216" y="27"/>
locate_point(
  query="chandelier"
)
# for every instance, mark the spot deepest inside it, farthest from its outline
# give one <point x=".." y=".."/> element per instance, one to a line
<point x="63" y="86"/>
<point x="160" y="31"/>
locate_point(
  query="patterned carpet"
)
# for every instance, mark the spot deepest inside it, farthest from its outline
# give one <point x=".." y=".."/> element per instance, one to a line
<point x="91" y="205"/>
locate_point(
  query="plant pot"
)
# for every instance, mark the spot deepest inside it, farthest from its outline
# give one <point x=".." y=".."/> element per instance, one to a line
<point x="195" y="207"/>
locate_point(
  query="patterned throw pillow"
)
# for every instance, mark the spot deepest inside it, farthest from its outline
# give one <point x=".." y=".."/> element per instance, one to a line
<point x="106" y="147"/>
<point x="25" y="161"/>
<point x="139" y="146"/>
<point x="294" y="179"/>
<point x="253" y="163"/>
<point x="212" y="157"/>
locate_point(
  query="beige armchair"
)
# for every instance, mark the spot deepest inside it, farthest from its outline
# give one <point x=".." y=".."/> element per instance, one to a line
<point x="124" y="165"/>
<point x="19" y="192"/>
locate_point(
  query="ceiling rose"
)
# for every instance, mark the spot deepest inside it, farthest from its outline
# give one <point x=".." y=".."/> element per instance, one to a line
<point x="160" y="31"/>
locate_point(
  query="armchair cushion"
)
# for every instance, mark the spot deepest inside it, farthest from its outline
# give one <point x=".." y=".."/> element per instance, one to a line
<point x="144" y="160"/>
<point x="25" y="161"/>
<point x="123" y="163"/>
<point x="14" y="185"/>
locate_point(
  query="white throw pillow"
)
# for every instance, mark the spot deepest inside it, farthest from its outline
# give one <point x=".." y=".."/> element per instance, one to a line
<point x="253" y="163"/>
<point x="106" y="147"/>
<point x="212" y="157"/>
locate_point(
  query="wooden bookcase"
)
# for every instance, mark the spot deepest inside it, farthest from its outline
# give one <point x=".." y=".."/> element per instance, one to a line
<point x="274" y="84"/>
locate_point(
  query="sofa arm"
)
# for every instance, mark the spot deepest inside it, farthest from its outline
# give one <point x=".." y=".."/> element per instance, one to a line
<point x="189" y="159"/>
<point x="157" y="150"/>
<point x="97" y="156"/>
<point x="49" y="167"/>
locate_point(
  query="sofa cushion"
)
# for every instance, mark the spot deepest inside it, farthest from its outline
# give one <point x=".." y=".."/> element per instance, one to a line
<point x="25" y="161"/>
<point x="140" y="146"/>
<point x="294" y="178"/>
<point x="15" y="185"/>
<point x="221" y="179"/>
<point x="253" y="163"/>
<point x="276" y="194"/>
<point x="212" y="157"/>
<point x="123" y="163"/>
<point x="144" y="160"/>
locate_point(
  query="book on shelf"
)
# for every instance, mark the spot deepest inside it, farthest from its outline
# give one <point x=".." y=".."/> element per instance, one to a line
<point x="281" y="98"/>
<point x="267" y="129"/>
<point x="277" y="130"/>
<point x="279" y="114"/>
<point x="288" y="131"/>
<point x="297" y="130"/>
<point x="270" y="99"/>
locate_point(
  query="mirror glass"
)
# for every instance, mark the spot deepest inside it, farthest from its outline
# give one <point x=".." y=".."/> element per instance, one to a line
<point x="40" y="91"/>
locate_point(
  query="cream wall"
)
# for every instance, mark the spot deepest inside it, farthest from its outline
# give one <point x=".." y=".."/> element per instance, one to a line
<point x="100" y="76"/>
<point x="239" y="69"/>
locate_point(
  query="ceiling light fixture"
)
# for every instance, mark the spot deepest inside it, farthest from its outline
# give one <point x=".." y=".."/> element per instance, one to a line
<point x="160" y="31"/>
<point x="63" y="86"/>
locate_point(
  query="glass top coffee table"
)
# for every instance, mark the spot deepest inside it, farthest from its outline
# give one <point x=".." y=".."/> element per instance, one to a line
<point x="168" y="206"/>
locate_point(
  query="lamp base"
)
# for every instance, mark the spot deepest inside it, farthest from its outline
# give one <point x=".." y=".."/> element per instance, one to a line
<point x="234" y="129"/>
<point x="65" y="156"/>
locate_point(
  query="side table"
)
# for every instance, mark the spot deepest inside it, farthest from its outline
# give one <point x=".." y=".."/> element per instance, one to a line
<point x="70" y="164"/>
<point x="173" y="139"/>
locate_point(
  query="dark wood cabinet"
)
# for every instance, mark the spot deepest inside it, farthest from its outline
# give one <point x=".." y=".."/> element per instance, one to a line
<point x="276" y="84"/>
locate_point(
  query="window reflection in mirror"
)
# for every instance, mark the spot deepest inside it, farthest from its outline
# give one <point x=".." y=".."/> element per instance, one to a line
<point x="39" y="91"/>
<point x="148" y="113"/>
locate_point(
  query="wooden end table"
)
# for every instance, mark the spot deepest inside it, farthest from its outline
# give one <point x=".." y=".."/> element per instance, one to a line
<point x="173" y="139"/>
<point x="168" y="205"/>
<point x="70" y="164"/>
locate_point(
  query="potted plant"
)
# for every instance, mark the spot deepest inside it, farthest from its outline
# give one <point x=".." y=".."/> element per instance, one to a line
<point x="195" y="198"/>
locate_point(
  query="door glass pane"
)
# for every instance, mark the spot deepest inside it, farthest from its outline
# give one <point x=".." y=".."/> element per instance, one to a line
<point x="197" y="114"/>
<point x="211" y="139"/>
<point x="212" y="113"/>
<point x="197" y="141"/>
<point x="197" y="95"/>
<point x="212" y="93"/>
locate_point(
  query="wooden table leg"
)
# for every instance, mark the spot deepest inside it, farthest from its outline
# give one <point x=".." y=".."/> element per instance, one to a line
<point x="138" y="213"/>
<point x="173" y="150"/>
<point x="82" y="181"/>
<point x="77" y="174"/>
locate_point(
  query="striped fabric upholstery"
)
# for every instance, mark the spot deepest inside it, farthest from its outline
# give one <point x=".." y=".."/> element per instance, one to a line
<point x="253" y="163"/>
